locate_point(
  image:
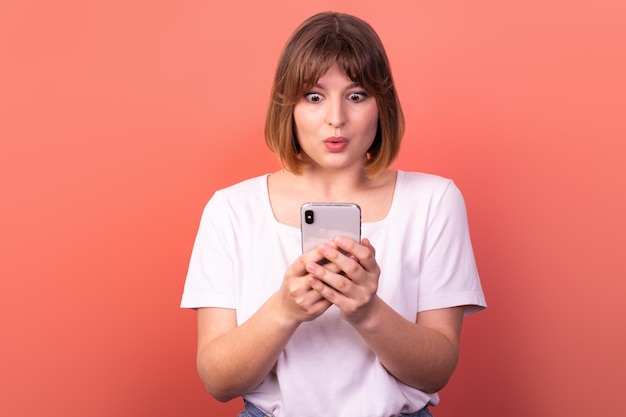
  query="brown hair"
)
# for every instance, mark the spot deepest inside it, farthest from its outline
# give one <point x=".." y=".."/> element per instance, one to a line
<point x="317" y="44"/>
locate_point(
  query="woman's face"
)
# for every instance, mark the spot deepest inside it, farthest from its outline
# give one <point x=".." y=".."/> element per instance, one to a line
<point x="335" y="122"/>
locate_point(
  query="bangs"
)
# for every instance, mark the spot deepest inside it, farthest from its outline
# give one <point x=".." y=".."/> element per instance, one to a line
<point x="358" y="58"/>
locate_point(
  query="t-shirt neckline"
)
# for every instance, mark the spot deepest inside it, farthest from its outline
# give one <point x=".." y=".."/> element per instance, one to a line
<point x="377" y="223"/>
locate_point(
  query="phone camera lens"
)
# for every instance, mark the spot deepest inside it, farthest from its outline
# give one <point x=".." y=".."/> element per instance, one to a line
<point x="308" y="217"/>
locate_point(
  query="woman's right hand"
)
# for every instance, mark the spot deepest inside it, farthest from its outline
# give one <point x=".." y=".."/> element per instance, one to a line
<point x="298" y="300"/>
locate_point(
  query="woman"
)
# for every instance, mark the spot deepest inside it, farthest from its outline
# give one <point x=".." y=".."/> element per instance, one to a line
<point x="372" y="332"/>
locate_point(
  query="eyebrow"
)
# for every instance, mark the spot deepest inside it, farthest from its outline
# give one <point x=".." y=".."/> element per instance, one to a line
<point x="353" y="85"/>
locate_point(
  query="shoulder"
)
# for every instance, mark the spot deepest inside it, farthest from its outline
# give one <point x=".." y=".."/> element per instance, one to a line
<point x="237" y="199"/>
<point x="246" y="190"/>
<point x="250" y="187"/>
<point x="423" y="183"/>
<point x="428" y="191"/>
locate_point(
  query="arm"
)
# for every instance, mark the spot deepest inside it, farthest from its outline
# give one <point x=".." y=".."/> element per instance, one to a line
<point x="423" y="353"/>
<point x="234" y="359"/>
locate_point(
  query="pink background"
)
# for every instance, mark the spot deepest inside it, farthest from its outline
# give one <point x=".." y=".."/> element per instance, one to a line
<point x="118" y="120"/>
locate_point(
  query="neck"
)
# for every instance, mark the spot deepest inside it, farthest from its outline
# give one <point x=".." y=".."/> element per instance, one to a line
<point x="288" y="192"/>
<point x="332" y="186"/>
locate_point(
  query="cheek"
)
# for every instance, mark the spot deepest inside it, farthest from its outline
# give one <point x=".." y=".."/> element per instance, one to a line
<point x="301" y="119"/>
<point x="371" y="121"/>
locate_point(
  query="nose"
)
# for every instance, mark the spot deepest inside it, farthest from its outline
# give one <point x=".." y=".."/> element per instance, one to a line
<point x="336" y="116"/>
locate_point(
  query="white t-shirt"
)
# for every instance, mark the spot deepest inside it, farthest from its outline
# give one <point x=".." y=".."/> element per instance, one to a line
<point x="426" y="260"/>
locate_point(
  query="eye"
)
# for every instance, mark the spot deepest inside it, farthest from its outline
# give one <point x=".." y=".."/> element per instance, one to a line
<point x="313" y="97"/>
<point x="357" y="97"/>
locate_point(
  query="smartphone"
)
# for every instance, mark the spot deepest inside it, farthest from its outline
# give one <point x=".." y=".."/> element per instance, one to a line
<point x="321" y="222"/>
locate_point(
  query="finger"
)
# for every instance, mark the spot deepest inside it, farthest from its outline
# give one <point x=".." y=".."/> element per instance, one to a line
<point x="328" y="292"/>
<point x="321" y="274"/>
<point x="314" y="255"/>
<point x="347" y="263"/>
<point x="314" y="301"/>
<point x="366" y="242"/>
<point x="364" y="252"/>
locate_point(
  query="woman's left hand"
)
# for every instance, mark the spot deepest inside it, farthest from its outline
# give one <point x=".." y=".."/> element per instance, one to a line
<point x="353" y="288"/>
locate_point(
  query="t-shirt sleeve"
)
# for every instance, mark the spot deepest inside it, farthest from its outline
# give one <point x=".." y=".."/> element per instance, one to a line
<point x="449" y="276"/>
<point x="209" y="281"/>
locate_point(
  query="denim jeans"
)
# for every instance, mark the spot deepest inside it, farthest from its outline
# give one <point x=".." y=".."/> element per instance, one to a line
<point x="252" y="411"/>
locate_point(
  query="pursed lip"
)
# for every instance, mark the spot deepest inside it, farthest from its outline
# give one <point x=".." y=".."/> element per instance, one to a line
<point x="336" y="139"/>
<point x="336" y="143"/>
